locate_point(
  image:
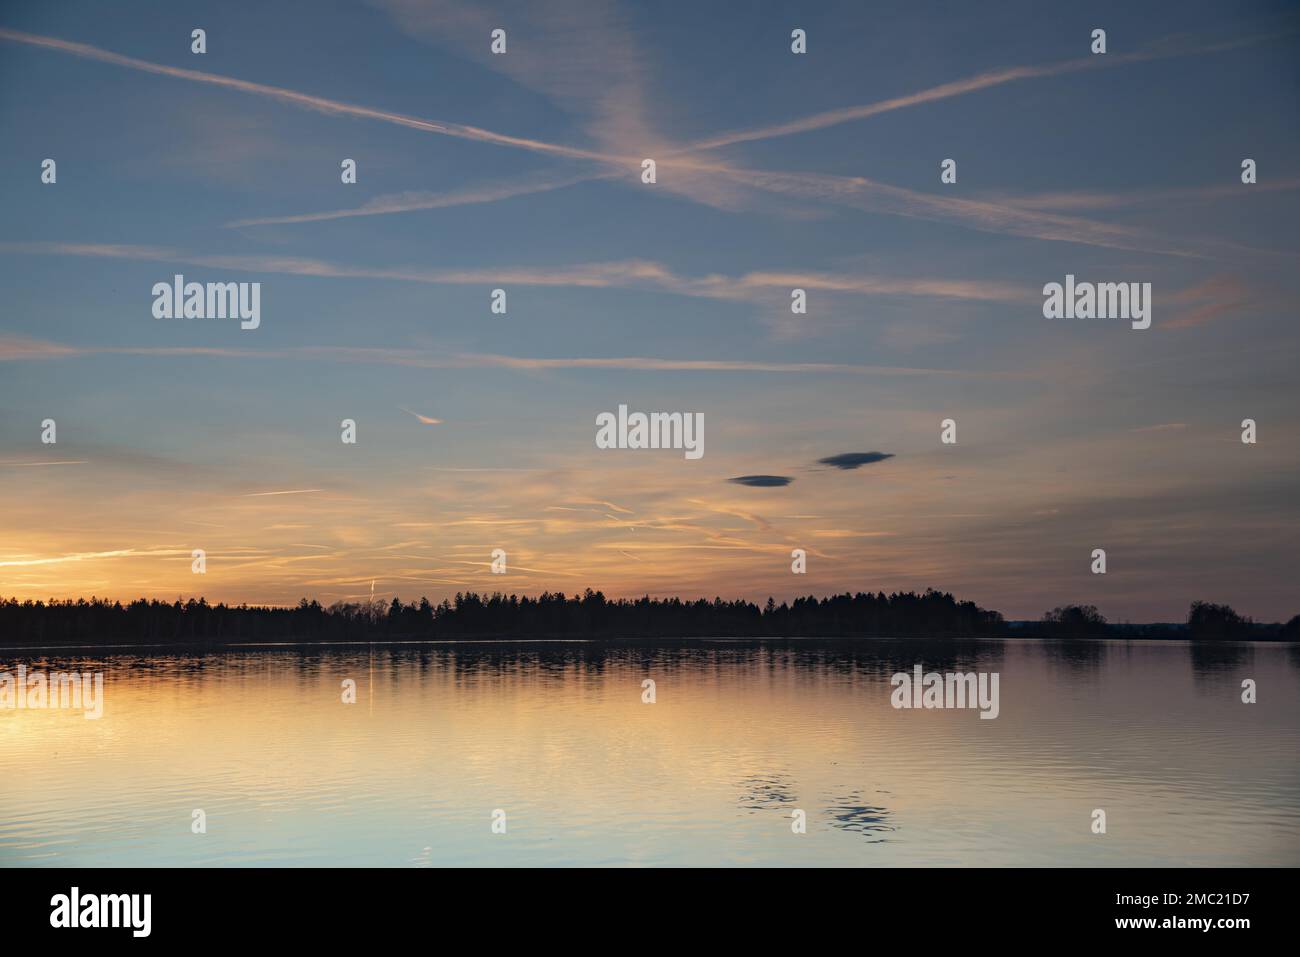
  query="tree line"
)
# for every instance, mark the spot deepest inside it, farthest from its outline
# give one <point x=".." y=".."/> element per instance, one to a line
<point x="930" y="614"/>
<point x="471" y="615"/>
<point x="1206" y="621"/>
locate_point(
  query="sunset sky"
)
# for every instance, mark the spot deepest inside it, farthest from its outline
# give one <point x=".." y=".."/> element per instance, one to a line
<point x="775" y="171"/>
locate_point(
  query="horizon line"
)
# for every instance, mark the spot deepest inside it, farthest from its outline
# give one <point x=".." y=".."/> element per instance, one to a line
<point x="660" y="597"/>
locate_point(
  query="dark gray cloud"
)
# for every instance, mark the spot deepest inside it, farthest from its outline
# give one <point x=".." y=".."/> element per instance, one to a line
<point x="762" y="481"/>
<point x="853" y="460"/>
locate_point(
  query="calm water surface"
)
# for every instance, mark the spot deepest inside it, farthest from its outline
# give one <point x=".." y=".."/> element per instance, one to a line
<point x="741" y="735"/>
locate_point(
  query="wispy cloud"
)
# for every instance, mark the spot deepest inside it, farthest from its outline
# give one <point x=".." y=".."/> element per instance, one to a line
<point x="93" y="556"/>
<point x="581" y="54"/>
<point x="992" y="78"/>
<point x="619" y="120"/>
<point x="1162" y="427"/>
<point x="288" y="491"/>
<point x="26" y="349"/>
<point x="305" y="100"/>
<point x="850" y="114"/>
<point x="609" y="505"/>
<point x="28" y="465"/>
<point x="624" y="274"/>
<point x="439" y="468"/>
<point x="857" y="192"/>
<point x="1124" y="199"/>
<point x="424" y="419"/>
<point x="415" y="201"/>
<point x="1215" y="298"/>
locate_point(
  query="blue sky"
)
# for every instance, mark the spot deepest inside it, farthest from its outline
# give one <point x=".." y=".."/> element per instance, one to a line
<point x="924" y="299"/>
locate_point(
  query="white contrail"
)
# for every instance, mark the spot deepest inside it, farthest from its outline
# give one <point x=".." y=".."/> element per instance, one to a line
<point x="319" y="103"/>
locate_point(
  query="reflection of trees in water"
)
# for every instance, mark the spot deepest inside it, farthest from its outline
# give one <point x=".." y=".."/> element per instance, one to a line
<point x="1212" y="658"/>
<point x="884" y="657"/>
<point x="1077" y="656"/>
<point x="473" y="663"/>
<point x="558" y="661"/>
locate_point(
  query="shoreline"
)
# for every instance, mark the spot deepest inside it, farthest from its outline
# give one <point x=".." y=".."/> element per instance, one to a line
<point x="637" y="641"/>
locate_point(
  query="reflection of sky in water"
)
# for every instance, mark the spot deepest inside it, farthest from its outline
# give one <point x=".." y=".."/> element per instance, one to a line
<point x="742" y="735"/>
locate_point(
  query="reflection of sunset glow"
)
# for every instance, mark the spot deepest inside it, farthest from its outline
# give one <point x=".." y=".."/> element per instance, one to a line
<point x="557" y="734"/>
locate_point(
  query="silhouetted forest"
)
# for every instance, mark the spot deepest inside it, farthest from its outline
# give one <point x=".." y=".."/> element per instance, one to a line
<point x="932" y="614"/>
<point x="1205" y="622"/>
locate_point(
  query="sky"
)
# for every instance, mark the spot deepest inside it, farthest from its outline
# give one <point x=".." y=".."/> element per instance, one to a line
<point x="522" y="171"/>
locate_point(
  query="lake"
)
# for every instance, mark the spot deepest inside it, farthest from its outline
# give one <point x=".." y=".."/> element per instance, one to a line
<point x="554" y="742"/>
